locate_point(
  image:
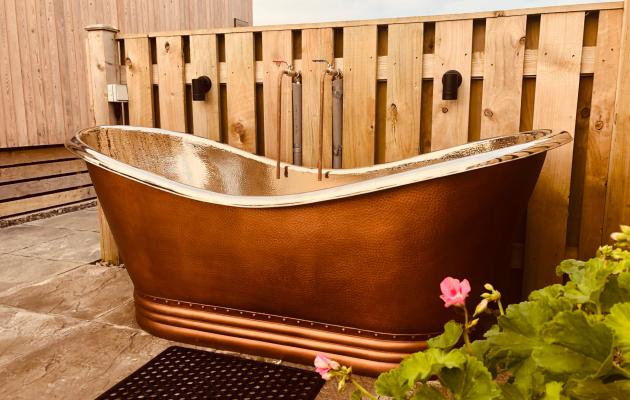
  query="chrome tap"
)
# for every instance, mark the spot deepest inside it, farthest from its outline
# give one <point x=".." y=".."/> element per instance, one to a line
<point x="291" y="72"/>
<point x="334" y="74"/>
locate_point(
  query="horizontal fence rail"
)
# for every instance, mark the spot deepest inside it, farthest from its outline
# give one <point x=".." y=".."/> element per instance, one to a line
<point x="551" y="68"/>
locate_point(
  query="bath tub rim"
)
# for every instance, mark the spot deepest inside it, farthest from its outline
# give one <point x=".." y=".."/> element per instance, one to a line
<point x="542" y="141"/>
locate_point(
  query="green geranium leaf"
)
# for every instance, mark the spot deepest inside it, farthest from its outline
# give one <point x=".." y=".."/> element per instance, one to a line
<point x="594" y="389"/>
<point x="480" y="348"/>
<point x="617" y="290"/>
<point x="417" y="367"/>
<point x="421" y="366"/>
<point x="452" y="333"/>
<point x="427" y="392"/>
<point x="553" y="391"/>
<point x="587" y="279"/>
<point x="570" y="267"/>
<point x="574" y="346"/>
<point x="472" y="382"/>
<point x="528" y="379"/>
<point x="510" y="392"/>
<point x="390" y="384"/>
<point x="619" y="321"/>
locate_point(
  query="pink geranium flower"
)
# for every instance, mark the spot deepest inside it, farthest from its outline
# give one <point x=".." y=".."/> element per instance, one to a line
<point x="454" y="292"/>
<point x="323" y="366"/>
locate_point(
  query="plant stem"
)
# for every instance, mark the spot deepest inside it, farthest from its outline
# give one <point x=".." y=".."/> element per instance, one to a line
<point x="501" y="312"/>
<point x="623" y="371"/>
<point x="362" y="389"/>
<point x="466" y="338"/>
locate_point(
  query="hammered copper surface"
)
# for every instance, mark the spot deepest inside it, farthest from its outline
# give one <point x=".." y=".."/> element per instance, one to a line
<point x="355" y="276"/>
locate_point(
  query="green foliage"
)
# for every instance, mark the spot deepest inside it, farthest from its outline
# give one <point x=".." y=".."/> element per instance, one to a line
<point x="567" y="341"/>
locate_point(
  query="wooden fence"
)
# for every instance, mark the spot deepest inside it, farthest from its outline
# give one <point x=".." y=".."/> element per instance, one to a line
<point x="551" y="67"/>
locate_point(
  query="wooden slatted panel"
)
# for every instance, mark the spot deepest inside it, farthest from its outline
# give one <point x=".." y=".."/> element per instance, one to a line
<point x="204" y="61"/>
<point x="618" y="189"/>
<point x="503" y="75"/>
<point x="170" y="64"/>
<point x="28" y="188"/>
<point x="359" y="95"/>
<point x="317" y="44"/>
<point x="46" y="201"/>
<point x="453" y="51"/>
<point x="139" y="82"/>
<point x="557" y="85"/>
<point x="6" y="85"/>
<point x="30" y="171"/>
<point x="241" y="91"/>
<point x="600" y="132"/>
<point x="404" y="90"/>
<point x="25" y="156"/>
<point x="277" y="46"/>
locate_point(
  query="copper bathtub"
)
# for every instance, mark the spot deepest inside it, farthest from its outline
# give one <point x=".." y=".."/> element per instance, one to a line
<point x="223" y="254"/>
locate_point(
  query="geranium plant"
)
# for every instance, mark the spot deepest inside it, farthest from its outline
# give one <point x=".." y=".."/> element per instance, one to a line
<point x="567" y="341"/>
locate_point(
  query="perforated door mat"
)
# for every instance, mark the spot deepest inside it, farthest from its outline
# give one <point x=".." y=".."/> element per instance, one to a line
<point x="183" y="373"/>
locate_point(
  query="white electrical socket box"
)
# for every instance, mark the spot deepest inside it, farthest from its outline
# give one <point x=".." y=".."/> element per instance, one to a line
<point x="117" y="93"/>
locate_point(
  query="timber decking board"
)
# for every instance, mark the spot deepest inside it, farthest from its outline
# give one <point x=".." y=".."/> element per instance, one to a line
<point x="359" y="95"/>
<point x="503" y="75"/>
<point x="139" y="85"/>
<point x="316" y="44"/>
<point x="277" y="46"/>
<point x="241" y="93"/>
<point x="171" y="83"/>
<point x="453" y="51"/>
<point x="404" y="91"/>
<point x="557" y="84"/>
<point x="204" y="61"/>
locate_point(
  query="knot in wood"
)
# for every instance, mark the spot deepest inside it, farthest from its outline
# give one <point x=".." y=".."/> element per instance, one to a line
<point x="128" y="62"/>
<point x="167" y="46"/>
<point x="444" y="110"/>
<point x="599" y="125"/>
<point x="488" y="113"/>
<point x="585" y="112"/>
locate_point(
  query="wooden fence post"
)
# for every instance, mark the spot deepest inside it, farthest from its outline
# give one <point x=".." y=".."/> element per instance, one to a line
<point x="618" y="191"/>
<point x="101" y="68"/>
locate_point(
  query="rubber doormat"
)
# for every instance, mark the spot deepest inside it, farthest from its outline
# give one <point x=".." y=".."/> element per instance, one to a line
<point x="180" y="373"/>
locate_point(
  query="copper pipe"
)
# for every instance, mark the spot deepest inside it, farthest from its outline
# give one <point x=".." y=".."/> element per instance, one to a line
<point x="334" y="73"/>
<point x="292" y="73"/>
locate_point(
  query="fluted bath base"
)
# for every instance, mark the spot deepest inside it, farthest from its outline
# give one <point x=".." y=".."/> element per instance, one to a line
<point x="247" y="332"/>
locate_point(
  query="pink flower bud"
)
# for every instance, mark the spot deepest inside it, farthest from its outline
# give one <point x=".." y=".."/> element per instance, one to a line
<point x="454" y="292"/>
<point x="323" y="366"/>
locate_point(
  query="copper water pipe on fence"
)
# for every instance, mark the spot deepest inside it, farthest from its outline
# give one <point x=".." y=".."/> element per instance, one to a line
<point x="289" y="71"/>
<point x="334" y="73"/>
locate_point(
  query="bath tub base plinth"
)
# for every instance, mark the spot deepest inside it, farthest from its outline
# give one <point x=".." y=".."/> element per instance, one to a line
<point x="188" y="323"/>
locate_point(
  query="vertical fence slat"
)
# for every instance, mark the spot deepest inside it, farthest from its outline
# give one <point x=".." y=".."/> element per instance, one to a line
<point x="618" y="194"/>
<point x="12" y="74"/>
<point x="204" y="60"/>
<point x="316" y="44"/>
<point x="171" y="84"/>
<point x="22" y="56"/>
<point x="557" y="84"/>
<point x="139" y="81"/>
<point x="453" y="50"/>
<point x="503" y="75"/>
<point x="359" y="95"/>
<point x="600" y="132"/>
<point x="241" y="90"/>
<point x="276" y="46"/>
<point x="404" y="90"/>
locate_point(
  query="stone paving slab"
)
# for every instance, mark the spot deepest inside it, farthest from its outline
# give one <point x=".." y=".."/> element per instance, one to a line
<point x="16" y="270"/>
<point x="85" y="292"/>
<point x="81" y="246"/>
<point x="19" y="237"/>
<point x="83" y="220"/>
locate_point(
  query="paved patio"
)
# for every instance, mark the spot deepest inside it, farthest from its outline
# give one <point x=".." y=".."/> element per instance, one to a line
<point x="67" y="329"/>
